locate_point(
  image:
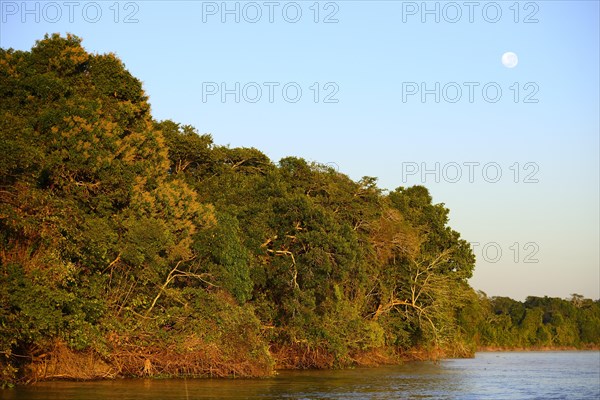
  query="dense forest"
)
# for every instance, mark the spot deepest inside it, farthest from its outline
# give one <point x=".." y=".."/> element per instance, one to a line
<point x="135" y="247"/>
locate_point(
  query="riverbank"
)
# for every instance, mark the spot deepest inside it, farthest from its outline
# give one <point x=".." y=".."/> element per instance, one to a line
<point x="492" y="349"/>
<point x="544" y="375"/>
<point x="59" y="362"/>
<point x="63" y="364"/>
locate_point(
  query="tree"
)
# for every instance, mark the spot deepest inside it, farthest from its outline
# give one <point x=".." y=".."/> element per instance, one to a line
<point x="92" y="222"/>
<point x="426" y="265"/>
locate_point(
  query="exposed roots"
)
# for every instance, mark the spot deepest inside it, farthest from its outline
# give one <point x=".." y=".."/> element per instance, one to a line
<point x="193" y="358"/>
<point x="302" y="356"/>
<point x="64" y="363"/>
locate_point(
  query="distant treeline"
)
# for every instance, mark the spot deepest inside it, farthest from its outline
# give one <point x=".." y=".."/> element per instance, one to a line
<point x="132" y="247"/>
<point x="538" y="322"/>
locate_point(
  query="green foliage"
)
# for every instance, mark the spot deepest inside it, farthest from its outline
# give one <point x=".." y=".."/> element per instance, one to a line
<point x="225" y="257"/>
<point x="122" y="235"/>
<point x="92" y="221"/>
<point x="539" y="322"/>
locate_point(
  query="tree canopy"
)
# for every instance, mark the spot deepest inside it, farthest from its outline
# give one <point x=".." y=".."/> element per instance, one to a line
<point x="158" y="252"/>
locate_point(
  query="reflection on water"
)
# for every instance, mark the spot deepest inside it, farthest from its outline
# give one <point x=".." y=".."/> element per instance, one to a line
<point x="516" y="375"/>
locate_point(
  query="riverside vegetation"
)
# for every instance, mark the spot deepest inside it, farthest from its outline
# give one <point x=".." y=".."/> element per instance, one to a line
<point x="133" y="247"/>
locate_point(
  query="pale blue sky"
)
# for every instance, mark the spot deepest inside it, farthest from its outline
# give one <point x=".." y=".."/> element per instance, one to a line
<point x="368" y="54"/>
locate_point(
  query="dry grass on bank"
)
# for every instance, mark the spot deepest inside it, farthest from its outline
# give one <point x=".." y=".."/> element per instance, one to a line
<point x="63" y="363"/>
<point x="301" y="356"/>
<point x="192" y="358"/>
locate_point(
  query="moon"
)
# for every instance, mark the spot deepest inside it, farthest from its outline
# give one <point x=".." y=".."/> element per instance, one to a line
<point x="510" y="59"/>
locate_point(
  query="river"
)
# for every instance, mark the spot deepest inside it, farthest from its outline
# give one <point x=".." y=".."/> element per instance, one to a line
<point x="497" y="376"/>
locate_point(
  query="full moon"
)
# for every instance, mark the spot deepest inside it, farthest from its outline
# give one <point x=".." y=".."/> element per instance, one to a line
<point x="510" y="59"/>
